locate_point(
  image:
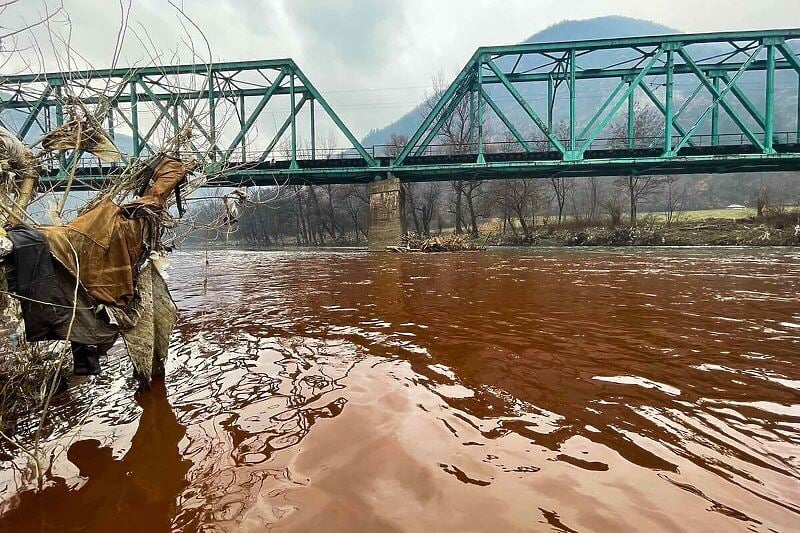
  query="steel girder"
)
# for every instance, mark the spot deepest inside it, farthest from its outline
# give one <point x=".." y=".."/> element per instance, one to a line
<point x="228" y="107"/>
<point x="657" y="70"/>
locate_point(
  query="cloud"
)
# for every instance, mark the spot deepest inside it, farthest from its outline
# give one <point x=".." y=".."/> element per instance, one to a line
<point x="352" y="33"/>
<point x="373" y="59"/>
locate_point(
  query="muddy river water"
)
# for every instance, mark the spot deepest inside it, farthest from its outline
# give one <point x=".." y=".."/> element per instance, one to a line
<point x="511" y="390"/>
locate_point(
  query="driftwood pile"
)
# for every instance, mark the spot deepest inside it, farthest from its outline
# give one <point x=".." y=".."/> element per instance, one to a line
<point x="439" y="243"/>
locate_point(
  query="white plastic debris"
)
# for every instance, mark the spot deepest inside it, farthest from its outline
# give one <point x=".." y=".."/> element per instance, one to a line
<point x="15" y="151"/>
<point x="233" y="202"/>
<point x="52" y="214"/>
<point x="6" y="246"/>
<point x="161" y="262"/>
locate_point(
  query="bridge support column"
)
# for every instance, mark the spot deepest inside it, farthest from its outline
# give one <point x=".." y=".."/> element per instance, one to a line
<point x="386" y="214"/>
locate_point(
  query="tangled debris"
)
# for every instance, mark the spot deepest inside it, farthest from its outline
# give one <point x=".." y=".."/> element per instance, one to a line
<point x="19" y="171"/>
<point x="82" y="132"/>
<point x="79" y="287"/>
<point x="440" y="243"/>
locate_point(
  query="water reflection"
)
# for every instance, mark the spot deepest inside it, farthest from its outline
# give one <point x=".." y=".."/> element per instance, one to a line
<point x="137" y="492"/>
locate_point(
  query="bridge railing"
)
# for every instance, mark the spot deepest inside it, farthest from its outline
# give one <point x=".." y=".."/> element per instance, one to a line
<point x="606" y="143"/>
<point x="348" y="156"/>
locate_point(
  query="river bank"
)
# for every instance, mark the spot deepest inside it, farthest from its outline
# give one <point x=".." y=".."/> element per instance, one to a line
<point x="781" y="230"/>
<point x="714" y="232"/>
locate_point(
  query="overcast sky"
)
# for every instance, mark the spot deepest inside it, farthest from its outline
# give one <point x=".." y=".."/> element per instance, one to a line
<point x="374" y="59"/>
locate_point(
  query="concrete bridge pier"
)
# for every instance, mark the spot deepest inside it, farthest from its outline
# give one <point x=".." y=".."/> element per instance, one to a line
<point x="387" y="223"/>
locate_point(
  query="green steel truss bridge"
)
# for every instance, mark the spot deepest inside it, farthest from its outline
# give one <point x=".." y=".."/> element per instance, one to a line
<point x="724" y="102"/>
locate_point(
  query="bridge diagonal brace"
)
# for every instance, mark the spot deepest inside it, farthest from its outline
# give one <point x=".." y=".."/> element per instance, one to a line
<point x="636" y="82"/>
<point x="790" y="56"/>
<point x="165" y="112"/>
<point x="745" y="101"/>
<point x="446" y="114"/>
<point x="526" y="106"/>
<point x="688" y="101"/>
<point x="719" y="99"/>
<point x="437" y="108"/>
<point x="152" y="130"/>
<point x="502" y="116"/>
<point x="212" y="145"/>
<point x="334" y="117"/>
<point x="282" y="129"/>
<point x="602" y="109"/>
<point x="660" y="106"/>
<point x="127" y="121"/>
<point x="255" y="114"/>
<point x="34" y="112"/>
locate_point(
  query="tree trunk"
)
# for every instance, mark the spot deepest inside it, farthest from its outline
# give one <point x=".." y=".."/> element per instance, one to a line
<point x="426" y="221"/>
<point x="458" y="208"/>
<point x="472" y="218"/>
<point x="632" y="193"/>
<point x="522" y="222"/>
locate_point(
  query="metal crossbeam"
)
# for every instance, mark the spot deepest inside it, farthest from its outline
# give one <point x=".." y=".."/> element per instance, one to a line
<point x="723" y="102"/>
<point x="148" y="105"/>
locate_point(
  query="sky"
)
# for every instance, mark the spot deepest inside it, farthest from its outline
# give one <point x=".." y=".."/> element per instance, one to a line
<point x="374" y="60"/>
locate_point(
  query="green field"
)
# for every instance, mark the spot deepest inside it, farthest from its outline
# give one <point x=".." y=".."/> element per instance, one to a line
<point x="685" y="216"/>
<point x="704" y="214"/>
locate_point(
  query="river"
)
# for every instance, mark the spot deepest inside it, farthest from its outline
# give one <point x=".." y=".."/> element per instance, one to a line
<point x="510" y="390"/>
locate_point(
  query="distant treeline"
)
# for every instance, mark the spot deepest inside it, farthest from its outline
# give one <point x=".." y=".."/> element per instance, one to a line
<point x="338" y="214"/>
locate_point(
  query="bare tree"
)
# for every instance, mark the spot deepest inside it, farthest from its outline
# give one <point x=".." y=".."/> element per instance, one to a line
<point x="647" y="129"/>
<point x="395" y="145"/>
<point x="356" y="200"/>
<point x="561" y="187"/>
<point x="638" y="188"/>
<point x="591" y="188"/>
<point x="762" y="200"/>
<point x="521" y="198"/>
<point x="613" y="208"/>
<point x="675" y="201"/>
<point x="455" y="136"/>
<point x="472" y="190"/>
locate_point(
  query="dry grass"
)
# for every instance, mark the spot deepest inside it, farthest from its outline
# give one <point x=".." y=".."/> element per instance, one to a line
<point x="26" y="372"/>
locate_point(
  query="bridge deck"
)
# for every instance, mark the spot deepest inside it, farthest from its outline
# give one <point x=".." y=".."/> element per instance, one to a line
<point x="543" y="164"/>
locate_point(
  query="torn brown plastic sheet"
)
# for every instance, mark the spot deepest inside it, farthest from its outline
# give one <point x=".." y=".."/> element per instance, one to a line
<point x="82" y="135"/>
<point x="110" y="240"/>
<point x="108" y="246"/>
<point x="166" y="174"/>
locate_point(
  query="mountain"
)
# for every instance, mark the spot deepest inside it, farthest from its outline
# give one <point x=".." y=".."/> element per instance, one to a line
<point x="568" y="30"/>
<point x="599" y="28"/>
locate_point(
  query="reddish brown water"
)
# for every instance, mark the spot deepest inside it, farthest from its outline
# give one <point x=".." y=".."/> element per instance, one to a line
<point x="641" y="390"/>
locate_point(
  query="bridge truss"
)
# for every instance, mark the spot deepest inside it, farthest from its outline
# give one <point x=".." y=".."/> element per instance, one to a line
<point x="696" y="83"/>
<point x="242" y="115"/>
<point x="725" y="102"/>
